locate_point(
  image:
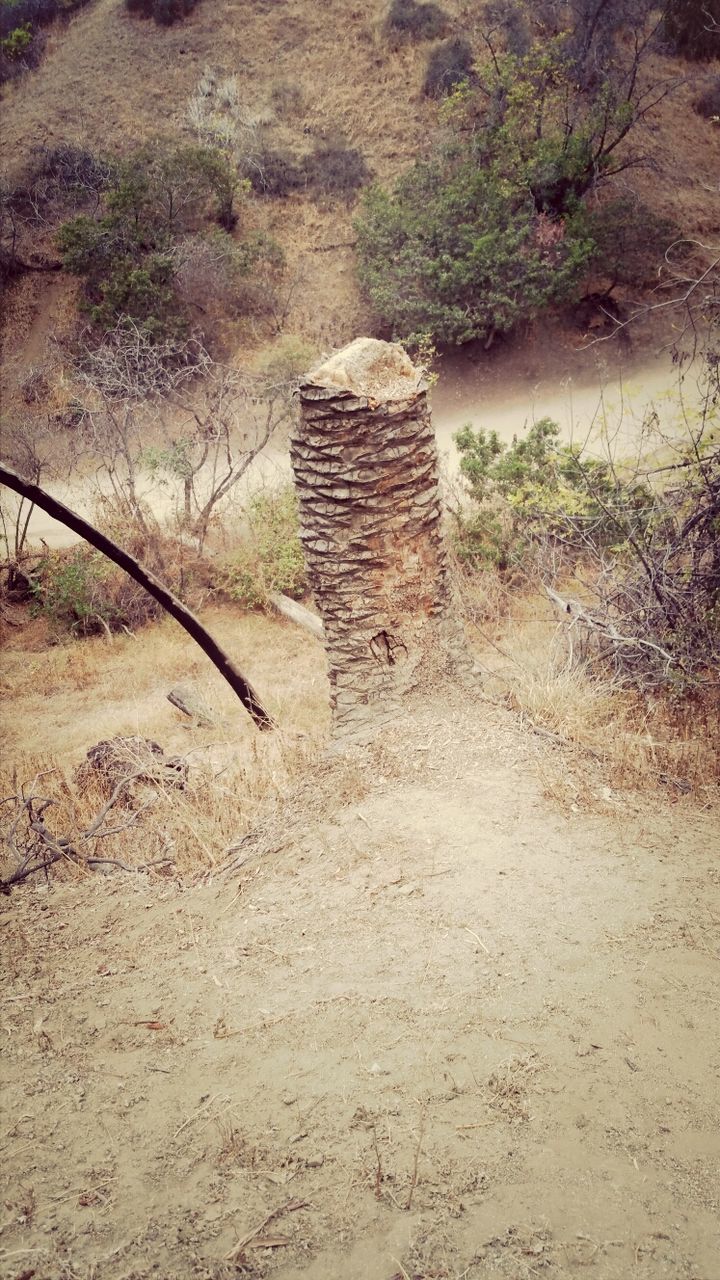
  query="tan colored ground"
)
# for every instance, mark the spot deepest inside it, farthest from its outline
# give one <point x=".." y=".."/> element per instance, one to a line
<point x="425" y="984"/>
<point x="455" y="1012"/>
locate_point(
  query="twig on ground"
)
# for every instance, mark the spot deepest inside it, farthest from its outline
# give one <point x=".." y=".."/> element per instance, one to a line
<point x="477" y="939"/>
<point x="239" y="1248"/>
<point x="378" y="1165"/>
<point x="196" y="1114"/>
<point x="413" y="1180"/>
<point x="41" y="849"/>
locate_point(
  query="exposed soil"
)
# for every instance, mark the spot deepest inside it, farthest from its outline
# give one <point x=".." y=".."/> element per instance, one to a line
<point x="442" y="1019"/>
<point x="430" y="1026"/>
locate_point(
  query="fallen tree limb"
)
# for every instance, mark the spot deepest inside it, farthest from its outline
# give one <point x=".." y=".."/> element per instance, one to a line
<point x="170" y="603"/>
<point x="602" y="626"/>
<point x="297" y="613"/>
<point x="42" y="849"/>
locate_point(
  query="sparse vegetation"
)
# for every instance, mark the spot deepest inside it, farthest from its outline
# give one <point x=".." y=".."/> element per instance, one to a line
<point x="287" y="98"/>
<point x="412" y="20"/>
<point x="271" y="1008"/>
<point x="270" y="558"/>
<point x="692" y="28"/>
<point x="707" y="104"/>
<point x="148" y="244"/>
<point x="641" y="539"/>
<point x="165" y="12"/>
<point x="449" y="65"/>
<point x="21" y="36"/>
<point x="80" y="591"/>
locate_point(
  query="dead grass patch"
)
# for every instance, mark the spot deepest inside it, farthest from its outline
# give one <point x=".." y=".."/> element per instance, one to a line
<point x="509" y="1085"/>
<point x="59" y="703"/>
<point x="625" y="739"/>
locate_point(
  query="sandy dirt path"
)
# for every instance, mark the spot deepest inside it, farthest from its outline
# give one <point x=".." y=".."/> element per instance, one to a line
<point x="433" y="1026"/>
<point x="603" y="414"/>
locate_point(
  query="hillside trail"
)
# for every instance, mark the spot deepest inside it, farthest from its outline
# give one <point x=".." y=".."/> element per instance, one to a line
<point x="433" y="1023"/>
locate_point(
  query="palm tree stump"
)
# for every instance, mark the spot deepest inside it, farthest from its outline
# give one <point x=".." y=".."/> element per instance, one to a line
<point x="366" y="470"/>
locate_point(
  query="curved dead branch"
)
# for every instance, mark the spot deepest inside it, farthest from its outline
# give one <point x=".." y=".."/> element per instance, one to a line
<point x="170" y="603"/>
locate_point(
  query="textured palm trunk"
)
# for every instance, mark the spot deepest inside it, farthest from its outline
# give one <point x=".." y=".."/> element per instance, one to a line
<point x="365" y="465"/>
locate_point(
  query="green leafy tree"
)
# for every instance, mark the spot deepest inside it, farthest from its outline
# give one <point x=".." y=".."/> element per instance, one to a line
<point x="492" y="228"/>
<point x="126" y="254"/>
<point x="458" y="253"/>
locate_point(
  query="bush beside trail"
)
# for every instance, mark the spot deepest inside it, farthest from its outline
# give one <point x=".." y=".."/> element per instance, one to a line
<point x="641" y="539"/>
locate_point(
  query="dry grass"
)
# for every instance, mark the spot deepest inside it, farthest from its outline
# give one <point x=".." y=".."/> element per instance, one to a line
<point x="64" y="698"/>
<point x="191" y="827"/>
<point x="61" y="701"/>
<point x="637" y="742"/>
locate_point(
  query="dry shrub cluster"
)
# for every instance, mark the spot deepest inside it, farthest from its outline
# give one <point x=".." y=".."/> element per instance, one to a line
<point x="165" y="12"/>
<point x="410" y="20"/>
<point x="69" y="697"/>
<point x="648" y="742"/>
<point x="153" y="826"/>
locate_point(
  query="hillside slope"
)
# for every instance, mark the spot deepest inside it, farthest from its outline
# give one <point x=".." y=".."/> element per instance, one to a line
<point x="111" y="81"/>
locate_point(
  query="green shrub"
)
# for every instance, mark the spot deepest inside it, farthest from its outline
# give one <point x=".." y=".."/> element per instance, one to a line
<point x="537" y="491"/>
<point x="449" y="65"/>
<point x="80" y="590"/>
<point x="270" y="557"/>
<point x="416" y="21"/>
<point x="127" y="275"/>
<point x="17" y="42"/>
<point x="644" y="537"/>
<point x="35" y="13"/>
<point x="126" y="255"/>
<point x="456" y="254"/>
<point x="20" y="50"/>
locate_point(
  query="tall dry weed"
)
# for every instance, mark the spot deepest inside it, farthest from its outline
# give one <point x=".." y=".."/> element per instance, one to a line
<point x="531" y="665"/>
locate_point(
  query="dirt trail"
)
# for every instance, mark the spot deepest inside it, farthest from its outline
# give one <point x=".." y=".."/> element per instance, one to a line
<point x="434" y="1025"/>
<point x="604" y="414"/>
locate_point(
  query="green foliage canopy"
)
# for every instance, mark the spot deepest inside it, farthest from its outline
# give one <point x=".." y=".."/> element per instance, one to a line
<point x="492" y="229"/>
<point x="456" y="252"/>
<point x="125" y="255"/>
